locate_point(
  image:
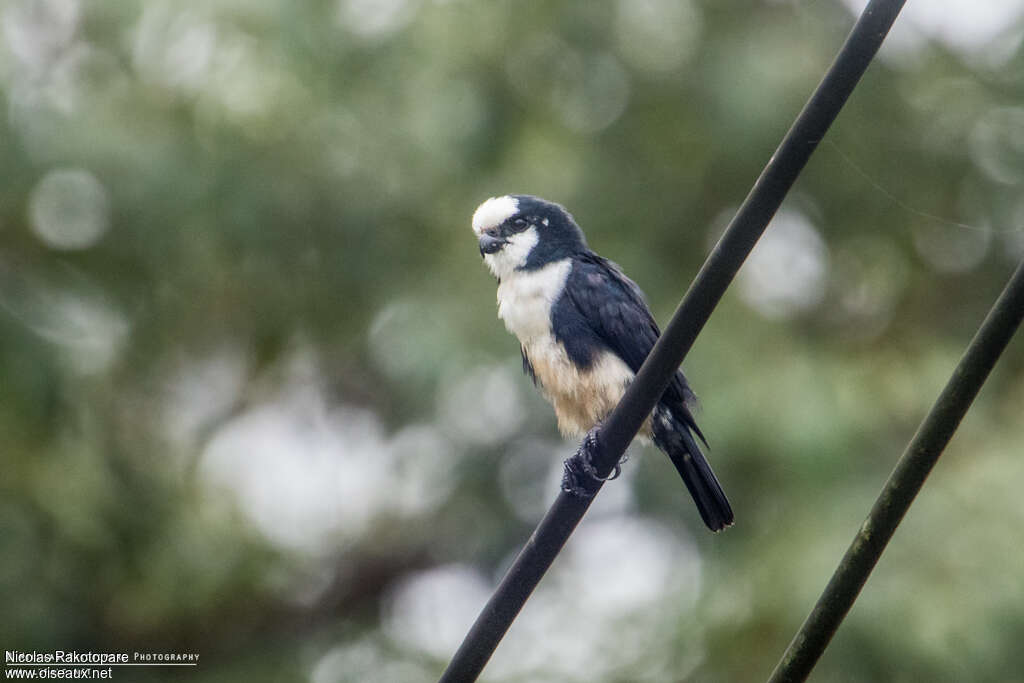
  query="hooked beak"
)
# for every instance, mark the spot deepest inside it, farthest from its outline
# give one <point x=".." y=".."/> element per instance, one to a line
<point x="490" y="244"/>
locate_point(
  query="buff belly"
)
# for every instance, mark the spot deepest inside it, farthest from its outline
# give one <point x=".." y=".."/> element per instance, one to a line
<point x="581" y="397"/>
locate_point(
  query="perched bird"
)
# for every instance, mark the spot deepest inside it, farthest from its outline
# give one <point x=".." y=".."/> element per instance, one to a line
<point x="585" y="330"/>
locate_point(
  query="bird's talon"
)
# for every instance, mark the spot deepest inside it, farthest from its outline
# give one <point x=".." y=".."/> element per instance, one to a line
<point x="581" y="477"/>
<point x="576" y="480"/>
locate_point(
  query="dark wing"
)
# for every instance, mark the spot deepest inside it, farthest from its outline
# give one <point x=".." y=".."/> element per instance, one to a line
<point x="604" y="308"/>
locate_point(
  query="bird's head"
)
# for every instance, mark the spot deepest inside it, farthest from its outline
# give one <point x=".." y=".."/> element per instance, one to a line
<point x="521" y="232"/>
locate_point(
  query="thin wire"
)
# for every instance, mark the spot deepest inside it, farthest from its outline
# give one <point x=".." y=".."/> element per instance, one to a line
<point x="878" y="187"/>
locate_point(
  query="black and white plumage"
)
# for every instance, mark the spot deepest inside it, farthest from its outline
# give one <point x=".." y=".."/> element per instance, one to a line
<point x="585" y="330"/>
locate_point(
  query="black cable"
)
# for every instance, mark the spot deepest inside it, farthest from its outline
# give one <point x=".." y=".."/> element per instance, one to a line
<point x="707" y="289"/>
<point x="904" y="484"/>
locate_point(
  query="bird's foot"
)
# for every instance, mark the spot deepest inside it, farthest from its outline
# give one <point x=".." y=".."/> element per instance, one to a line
<point x="581" y="477"/>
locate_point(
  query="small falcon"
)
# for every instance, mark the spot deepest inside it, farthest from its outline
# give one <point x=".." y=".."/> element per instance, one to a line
<point x="584" y="330"/>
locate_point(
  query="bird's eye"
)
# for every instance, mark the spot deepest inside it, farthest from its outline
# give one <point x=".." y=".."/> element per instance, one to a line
<point x="519" y="222"/>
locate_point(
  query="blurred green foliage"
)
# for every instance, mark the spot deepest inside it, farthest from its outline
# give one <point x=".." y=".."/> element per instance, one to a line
<point x="255" y="402"/>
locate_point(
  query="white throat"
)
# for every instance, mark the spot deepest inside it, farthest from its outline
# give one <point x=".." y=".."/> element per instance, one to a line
<point x="525" y="299"/>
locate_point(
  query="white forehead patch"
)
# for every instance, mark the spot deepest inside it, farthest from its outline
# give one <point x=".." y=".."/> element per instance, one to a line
<point x="494" y="212"/>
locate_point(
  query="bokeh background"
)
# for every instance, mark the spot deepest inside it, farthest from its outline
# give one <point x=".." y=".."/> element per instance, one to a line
<point x="255" y="402"/>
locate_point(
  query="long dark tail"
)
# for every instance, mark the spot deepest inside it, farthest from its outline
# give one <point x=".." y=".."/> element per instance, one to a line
<point x="674" y="437"/>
